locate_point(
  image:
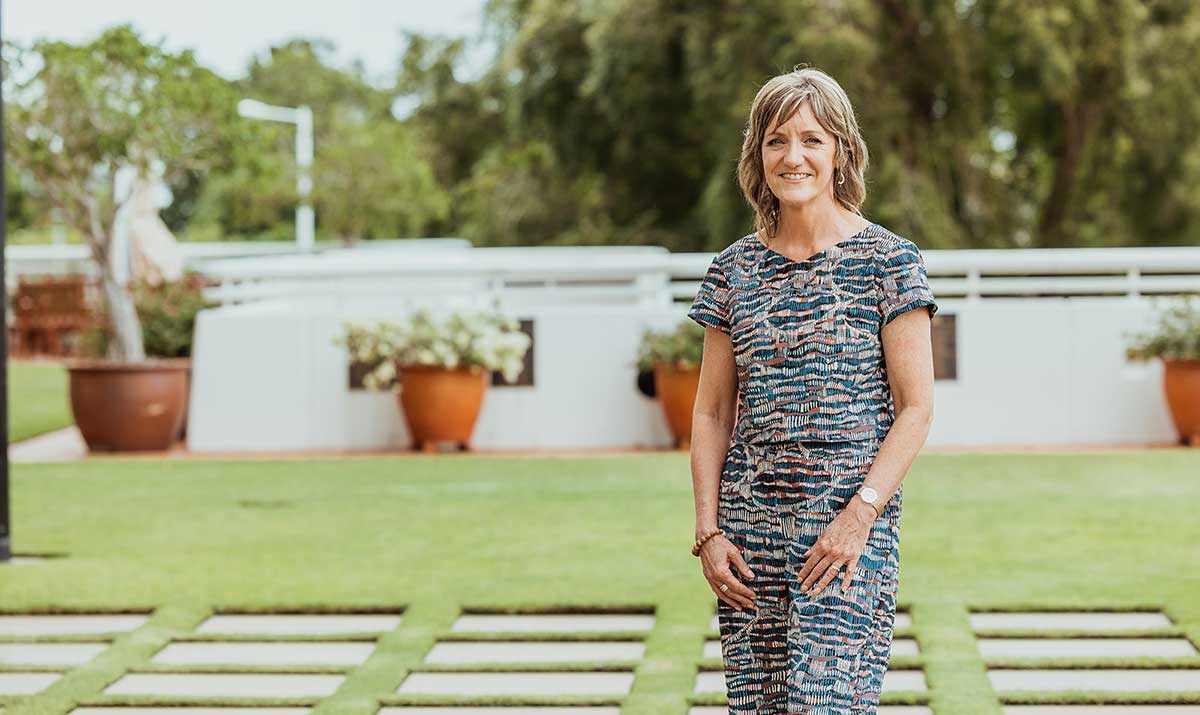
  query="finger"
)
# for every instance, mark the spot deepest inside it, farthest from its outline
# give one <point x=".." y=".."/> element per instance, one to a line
<point x="829" y="575"/>
<point x="738" y="590"/>
<point x="733" y="604"/>
<point x="812" y="556"/>
<point x="742" y="567"/>
<point x="743" y="591"/>
<point x="729" y="594"/>
<point x="850" y="566"/>
<point x="817" y="572"/>
<point x="810" y="562"/>
<point x="728" y="597"/>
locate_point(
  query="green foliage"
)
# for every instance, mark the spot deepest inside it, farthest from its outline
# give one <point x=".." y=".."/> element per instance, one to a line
<point x="459" y="339"/>
<point x="257" y="195"/>
<point x="78" y="114"/>
<point x="1177" y="336"/>
<point x="372" y="183"/>
<point x="1007" y="123"/>
<point x="520" y="196"/>
<point x="167" y="313"/>
<point x="682" y="346"/>
<point x="1011" y="123"/>
<point x="301" y="71"/>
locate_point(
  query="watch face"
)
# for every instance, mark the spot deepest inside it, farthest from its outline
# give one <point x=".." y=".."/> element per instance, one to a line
<point x="869" y="495"/>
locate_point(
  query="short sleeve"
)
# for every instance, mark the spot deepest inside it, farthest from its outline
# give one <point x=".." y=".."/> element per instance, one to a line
<point x="710" y="308"/>
<point x="903" y="283"/>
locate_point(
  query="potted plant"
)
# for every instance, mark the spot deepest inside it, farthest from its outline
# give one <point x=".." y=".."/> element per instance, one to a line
<point x="79" y="117"/>
<point x="674" y="356"/>
<point x="1176" y="341"/>
<point x="167" y="315"/>
<point x="440" y="368"/>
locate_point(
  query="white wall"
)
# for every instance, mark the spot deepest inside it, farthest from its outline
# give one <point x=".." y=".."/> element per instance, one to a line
<point x="266" y="376"/>
<point x="1049" y="371"/>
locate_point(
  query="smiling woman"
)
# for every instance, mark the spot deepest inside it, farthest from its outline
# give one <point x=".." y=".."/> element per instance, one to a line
<point x="799" y="145"/>
<point x="798" y="448"/>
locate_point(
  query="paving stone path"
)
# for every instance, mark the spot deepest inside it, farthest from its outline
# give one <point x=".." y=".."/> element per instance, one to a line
<point x="249" y="656"/>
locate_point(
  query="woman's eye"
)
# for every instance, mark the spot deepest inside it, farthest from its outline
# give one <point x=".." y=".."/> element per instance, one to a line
<point x="814" y="139"/>
<point x="772" y="141"/>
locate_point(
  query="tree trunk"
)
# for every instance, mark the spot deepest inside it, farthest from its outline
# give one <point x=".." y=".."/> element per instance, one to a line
<point x="127" y="342"/>
<point x="1078" y="120"/>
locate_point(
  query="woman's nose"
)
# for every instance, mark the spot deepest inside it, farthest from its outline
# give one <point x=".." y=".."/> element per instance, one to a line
<point x="795" y="153"/>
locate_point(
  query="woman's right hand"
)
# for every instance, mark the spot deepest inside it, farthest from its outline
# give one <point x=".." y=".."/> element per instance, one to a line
<point x="719" y="557"/>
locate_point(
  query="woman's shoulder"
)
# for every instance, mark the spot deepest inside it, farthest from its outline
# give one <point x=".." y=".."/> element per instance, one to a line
<point x="888" y="242"/>
<point x="736" y="250"/>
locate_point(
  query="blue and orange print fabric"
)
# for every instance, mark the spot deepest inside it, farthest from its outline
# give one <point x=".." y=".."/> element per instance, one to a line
<point x="806" y="333"/>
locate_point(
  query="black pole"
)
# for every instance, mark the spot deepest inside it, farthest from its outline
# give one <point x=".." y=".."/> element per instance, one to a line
<point x="5" y="534"/>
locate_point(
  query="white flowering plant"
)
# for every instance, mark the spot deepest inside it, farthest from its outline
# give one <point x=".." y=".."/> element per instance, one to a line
<point x="462" y="339"/>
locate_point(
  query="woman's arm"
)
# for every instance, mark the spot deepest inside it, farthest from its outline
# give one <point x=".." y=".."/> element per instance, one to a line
<point x="712" y="425"/>
<point x="908" y="355"/>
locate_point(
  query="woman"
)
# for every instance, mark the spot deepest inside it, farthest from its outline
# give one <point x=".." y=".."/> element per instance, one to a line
<point x="813" y="347"/>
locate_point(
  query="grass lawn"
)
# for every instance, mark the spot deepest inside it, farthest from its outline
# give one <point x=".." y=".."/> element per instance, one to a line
<point x="38" y="399"/>
<point x="435" y="534"/>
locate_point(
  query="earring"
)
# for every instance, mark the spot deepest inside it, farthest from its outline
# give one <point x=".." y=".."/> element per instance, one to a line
<point x="843" y="179"/>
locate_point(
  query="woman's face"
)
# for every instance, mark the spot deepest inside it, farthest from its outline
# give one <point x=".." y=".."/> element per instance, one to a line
<point x="798" y="159"/>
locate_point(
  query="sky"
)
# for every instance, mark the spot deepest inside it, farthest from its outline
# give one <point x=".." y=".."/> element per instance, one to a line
<point x="226" y="34"/>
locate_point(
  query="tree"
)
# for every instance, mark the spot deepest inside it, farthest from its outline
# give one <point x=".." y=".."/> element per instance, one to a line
<point x="78" y="114"/>
<point x="371" y="182"/>
<point x="990" y="123"/>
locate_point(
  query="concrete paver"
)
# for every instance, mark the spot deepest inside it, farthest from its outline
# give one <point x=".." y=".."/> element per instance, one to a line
<point x="1125" y="680"/>
<point x="517" y="683"/>
<point x="252" y="685"/>
<point x="68" y="624"/>
<point x="244" y="653"/>
<point x="1075" y="620"/>
<point x="533" y="652"/>
<point x="318" y="624"/>
<point x="554" y="622"/>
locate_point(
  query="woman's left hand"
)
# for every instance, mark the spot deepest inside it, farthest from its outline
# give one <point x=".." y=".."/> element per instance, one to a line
<point x="841" y="543"/>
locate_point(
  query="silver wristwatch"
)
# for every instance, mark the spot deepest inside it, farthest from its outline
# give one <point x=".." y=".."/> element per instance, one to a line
<point x="870" y="496"/>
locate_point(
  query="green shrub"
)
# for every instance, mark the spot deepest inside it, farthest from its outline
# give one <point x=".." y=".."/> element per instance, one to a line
<point x="682" y="346"/>
<point x="167" y="313"/>
<point x="1177" y="336"/>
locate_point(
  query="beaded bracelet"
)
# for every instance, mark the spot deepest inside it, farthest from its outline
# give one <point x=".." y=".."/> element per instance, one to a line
<point x="702" y="539"/>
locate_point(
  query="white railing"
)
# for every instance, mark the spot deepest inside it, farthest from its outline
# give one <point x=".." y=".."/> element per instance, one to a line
<point x="1035" y="272"/>
<point x="60" y="258"/>
<point x="645" y="275"/>
<point x="599" y="274"/>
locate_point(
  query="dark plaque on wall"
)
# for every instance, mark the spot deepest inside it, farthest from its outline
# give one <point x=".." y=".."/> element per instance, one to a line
<point x="945" y="347"/>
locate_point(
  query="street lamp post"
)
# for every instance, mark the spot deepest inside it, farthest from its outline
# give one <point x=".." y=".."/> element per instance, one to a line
<point x="5" y="537"/>
<point x="302" y="117"/>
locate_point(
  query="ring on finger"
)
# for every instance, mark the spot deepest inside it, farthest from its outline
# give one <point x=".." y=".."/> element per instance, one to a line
<point x="724" y="587"/>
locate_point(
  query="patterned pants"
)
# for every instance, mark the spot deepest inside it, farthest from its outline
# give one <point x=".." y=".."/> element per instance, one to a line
<point x="812" y="653"/>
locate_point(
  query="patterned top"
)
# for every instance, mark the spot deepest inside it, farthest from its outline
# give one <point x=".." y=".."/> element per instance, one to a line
<point x="806" y="334"/>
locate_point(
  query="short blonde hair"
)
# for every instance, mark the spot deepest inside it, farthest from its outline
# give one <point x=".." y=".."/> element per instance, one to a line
<point x="776" y="102"/>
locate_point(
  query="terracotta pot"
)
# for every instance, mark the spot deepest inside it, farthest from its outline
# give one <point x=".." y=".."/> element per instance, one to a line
<point x="441" y="404"/>
<point x="676" y="388"/>
<point x="121" y="407"/>
<point x="1181" y="382"/>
